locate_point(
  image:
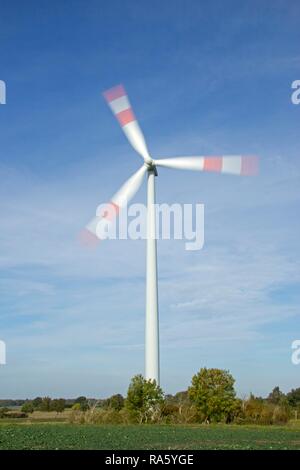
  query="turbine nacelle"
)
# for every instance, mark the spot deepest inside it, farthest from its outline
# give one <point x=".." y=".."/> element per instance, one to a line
<point x="150" y="165"/>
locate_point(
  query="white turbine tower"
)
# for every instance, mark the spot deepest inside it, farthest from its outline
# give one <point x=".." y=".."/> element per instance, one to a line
<point x="238" y="165"/>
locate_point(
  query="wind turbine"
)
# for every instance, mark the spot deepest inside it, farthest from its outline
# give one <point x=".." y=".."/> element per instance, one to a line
<point x="118" y="101"/>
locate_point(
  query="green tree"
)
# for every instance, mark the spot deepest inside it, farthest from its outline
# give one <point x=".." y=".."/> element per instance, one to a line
<point x="45" y="404"/>
<point x="76" y="407"/>
<point x="58" y="405"/>
<point x="212" y="392"/>
<point x="116" y="402"/>
<point x="83" y="402"/>
<point x="276" y="397"/>
<point x="294" y="397"/>
<point x="144" y="398"/>
<point x="37" y="402"/>
<point x="27" y="407"/>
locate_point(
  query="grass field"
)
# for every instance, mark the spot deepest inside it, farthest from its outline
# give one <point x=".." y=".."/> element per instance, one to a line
<point x="111" y="437"/>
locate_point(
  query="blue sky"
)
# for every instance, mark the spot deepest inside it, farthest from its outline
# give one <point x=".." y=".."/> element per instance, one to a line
<point x="203" y="79"/>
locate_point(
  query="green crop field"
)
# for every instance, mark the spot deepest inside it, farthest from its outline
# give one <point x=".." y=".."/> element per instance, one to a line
<point x="68" y="436"/>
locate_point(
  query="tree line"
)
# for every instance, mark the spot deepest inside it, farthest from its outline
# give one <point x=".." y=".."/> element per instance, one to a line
<point x="210" y="398"/>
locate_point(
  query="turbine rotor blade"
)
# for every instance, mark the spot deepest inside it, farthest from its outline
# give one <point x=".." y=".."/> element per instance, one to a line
<point x="231" y="164"/>
<point x="104" y="218"/>
<point x="118" y="102"/>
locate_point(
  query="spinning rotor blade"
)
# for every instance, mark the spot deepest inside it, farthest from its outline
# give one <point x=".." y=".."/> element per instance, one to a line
<point x="232" y="164"/>
<point x="103" y="219"/>
<point x="119" y="104"/>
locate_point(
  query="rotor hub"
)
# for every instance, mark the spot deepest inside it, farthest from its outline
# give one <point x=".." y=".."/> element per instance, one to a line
<point x="151" y="167"/>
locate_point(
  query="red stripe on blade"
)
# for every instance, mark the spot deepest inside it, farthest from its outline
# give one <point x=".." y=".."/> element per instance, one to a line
<point x="111" y="211"/>
<point x="114" y="93"/>
<point x="212" y="164"/>
<point x="249" y="165"/>
<point x="125" y="117"/>
<point x="88" y="239"/>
